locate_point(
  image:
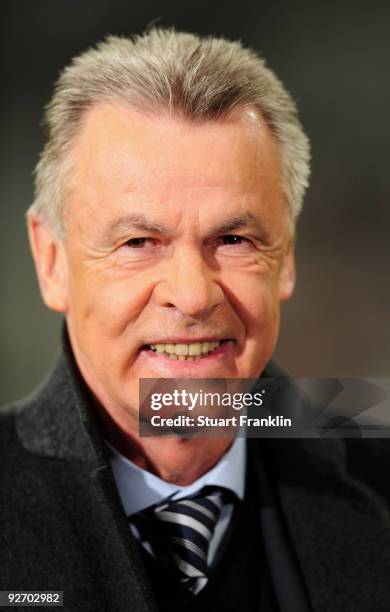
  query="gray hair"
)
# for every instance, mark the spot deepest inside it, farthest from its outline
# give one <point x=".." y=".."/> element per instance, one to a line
<point x="195" y="78"/>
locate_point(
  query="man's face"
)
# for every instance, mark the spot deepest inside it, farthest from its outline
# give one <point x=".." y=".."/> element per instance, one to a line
<point x="176" y="235"/>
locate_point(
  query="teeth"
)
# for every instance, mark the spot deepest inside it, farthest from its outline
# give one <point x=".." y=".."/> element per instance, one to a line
<point x="195" y="349"/>
<point x="206" y="347"/>
<point x="184" y="352"/>
<point x="181" y="349"/>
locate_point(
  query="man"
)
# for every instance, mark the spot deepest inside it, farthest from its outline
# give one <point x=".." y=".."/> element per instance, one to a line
<point x="163" y="225"/>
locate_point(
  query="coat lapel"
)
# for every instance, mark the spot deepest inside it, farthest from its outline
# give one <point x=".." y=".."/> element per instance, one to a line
<point x="339" y="527"/>
<point x="57" y="423"/>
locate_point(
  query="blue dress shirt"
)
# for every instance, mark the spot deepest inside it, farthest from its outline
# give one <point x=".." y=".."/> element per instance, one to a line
<point x="139" y="489"/>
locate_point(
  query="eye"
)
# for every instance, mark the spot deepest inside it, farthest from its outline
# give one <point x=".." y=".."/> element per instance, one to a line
<point x="138" y="249"/>
<point x="138" y="243"/>
<point x="233" y="245"/>
<point x="233" y="239"/>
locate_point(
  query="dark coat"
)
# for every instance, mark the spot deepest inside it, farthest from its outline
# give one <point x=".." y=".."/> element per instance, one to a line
<point x="62" y="526"/>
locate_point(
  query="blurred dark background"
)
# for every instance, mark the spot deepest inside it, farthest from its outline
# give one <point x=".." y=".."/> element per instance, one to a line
<point x="335" y="59"/>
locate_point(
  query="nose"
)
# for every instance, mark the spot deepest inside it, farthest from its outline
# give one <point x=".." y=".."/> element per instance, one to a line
<point x="189" y="284"/>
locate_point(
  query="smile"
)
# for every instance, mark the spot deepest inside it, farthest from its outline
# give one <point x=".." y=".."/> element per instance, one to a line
<point x="186" y="352"/>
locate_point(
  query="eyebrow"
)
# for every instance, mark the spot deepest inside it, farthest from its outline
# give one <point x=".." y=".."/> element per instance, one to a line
<point x="141" y="223"/>
<point x="239" y="222"/>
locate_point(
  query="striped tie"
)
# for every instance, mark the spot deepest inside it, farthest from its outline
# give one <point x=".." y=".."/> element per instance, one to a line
<point x="180" y="532"/>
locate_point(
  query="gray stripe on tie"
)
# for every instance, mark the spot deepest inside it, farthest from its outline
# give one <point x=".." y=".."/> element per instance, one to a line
<point x="187" y="568"/>
<point x="190" y="546"/>
<point x="187" y="521"/>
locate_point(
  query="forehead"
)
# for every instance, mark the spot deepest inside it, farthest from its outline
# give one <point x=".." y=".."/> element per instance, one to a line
<point x="122" y="156"/>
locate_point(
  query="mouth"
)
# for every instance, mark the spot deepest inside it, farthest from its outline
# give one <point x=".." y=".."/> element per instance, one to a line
<point x="194" y="351"/>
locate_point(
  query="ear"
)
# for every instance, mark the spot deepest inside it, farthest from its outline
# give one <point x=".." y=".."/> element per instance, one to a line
<point x="287" y="275"/>
<point x="50" y="263"/>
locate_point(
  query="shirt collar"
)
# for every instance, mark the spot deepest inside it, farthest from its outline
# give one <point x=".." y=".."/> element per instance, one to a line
<point x="139" y="489"/>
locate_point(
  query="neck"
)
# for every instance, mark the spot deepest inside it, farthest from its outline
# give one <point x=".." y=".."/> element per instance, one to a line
<point x="177" y="460"/>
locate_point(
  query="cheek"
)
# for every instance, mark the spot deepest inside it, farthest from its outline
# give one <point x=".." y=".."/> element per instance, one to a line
<point x="257" y="298"/>
<point x="108" y="302"/>
<point x="261" y="319"/>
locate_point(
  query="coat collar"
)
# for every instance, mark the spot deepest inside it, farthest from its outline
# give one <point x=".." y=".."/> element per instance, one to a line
<point x="57" y="420"/>
<point x="57" y="423"/>
<point x="339" y="528"/>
